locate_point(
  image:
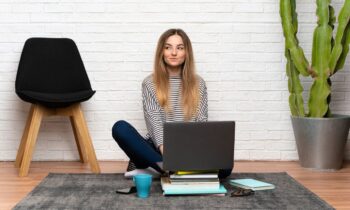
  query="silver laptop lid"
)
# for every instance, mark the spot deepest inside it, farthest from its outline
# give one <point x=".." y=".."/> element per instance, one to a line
<point x="198" y="145"/>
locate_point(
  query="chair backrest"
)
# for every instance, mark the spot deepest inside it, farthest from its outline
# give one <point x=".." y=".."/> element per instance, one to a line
<point x="51" y="65"/>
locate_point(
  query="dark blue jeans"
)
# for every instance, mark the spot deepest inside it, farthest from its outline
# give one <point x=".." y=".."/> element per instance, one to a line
<point x="142" y="151"/>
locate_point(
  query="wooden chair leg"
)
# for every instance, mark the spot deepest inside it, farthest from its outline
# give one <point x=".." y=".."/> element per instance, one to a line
<point x="31" y="139"/>
<point x="83" y="132"/>
<point x="24" y="138"/>
<point x="79" y="142"/>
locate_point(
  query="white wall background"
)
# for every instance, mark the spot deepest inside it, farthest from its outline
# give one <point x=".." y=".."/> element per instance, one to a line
<point x="239" y="51"/>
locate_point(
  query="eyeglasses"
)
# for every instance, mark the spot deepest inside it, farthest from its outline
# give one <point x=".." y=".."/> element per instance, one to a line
<point x="242" y="192"/>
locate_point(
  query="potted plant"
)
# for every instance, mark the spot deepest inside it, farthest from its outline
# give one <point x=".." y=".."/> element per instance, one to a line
<point x="320" y="135"/>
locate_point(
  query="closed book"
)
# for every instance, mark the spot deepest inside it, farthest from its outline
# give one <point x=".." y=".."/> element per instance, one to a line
<point x="252" y="184"/>
<point x="220" y="191"/>
<point x="195" y="184"/>
<point x="196" y="172"/>
<point x="204" y="180"/>
<point x="168" y="185"/>
<point x="194" y="176"/>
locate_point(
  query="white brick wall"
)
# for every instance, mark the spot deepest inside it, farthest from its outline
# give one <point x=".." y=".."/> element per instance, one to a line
<point x="239" y="51"/>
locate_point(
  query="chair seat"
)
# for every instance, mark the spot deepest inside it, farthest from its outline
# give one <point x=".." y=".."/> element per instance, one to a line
<point x="55" y="100"/>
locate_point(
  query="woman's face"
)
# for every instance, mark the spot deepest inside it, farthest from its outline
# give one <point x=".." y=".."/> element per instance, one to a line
<point x="174" y="51"/>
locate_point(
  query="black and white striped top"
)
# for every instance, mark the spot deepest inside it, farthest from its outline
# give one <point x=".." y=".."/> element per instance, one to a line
<point x="155" y="115"/>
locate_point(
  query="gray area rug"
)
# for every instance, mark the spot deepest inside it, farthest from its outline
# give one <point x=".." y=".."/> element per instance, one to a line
<point x="91" y="191"/>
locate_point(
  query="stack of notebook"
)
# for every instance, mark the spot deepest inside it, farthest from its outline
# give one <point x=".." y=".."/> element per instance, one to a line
<point x="182" y="183"/>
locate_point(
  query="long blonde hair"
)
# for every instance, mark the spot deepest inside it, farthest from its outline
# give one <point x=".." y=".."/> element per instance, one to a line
<point x="190" y="90"/>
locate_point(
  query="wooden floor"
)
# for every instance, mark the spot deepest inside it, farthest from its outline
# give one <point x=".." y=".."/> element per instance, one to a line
<point x="334" y="187"/>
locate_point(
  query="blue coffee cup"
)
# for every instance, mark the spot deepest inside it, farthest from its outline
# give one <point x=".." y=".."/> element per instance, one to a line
<point x="143" y="184"/>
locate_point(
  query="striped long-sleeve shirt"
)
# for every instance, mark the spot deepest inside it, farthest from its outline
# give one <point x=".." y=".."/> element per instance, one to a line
<point x="155" y="115"/>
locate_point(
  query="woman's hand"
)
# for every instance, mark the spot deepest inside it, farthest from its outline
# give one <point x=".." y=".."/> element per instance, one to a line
<point x="161" y="148"/>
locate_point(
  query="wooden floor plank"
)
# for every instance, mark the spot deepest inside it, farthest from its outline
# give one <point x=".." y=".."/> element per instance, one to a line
<point x="334" y="187"/>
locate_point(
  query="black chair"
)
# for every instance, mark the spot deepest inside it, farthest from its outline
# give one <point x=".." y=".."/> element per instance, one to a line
<point x="51" y="75"/>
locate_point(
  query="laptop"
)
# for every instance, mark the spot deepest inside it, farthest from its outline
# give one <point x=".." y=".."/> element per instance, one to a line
<point x="198" y="145"/>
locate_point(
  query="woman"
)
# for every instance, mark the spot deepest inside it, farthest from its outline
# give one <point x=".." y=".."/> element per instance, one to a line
<point x="172" y="93"/>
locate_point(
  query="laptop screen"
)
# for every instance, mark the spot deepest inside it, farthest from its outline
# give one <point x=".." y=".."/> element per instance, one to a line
<point x="198" y="145"/>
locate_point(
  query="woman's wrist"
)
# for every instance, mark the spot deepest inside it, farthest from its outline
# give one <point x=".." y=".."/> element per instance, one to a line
<point x="160" y="147"/>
